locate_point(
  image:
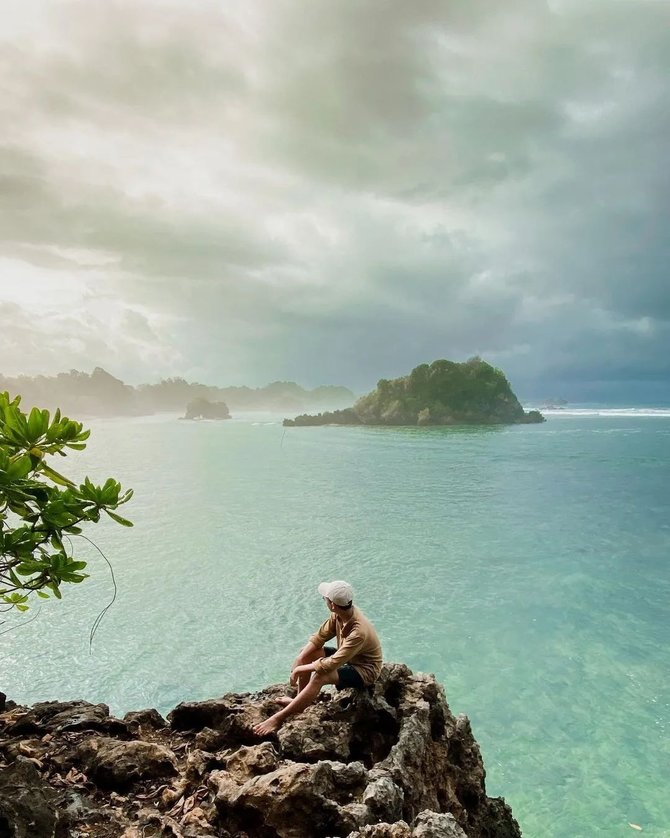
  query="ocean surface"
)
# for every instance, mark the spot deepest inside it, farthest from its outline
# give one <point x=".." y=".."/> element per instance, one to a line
<point x="527" y="567"/>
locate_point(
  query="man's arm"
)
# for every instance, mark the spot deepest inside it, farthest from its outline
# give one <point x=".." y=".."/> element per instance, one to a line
<point x="305" y="654"/>
<point x="325" y="632"/>
<point x="348" y="650"/>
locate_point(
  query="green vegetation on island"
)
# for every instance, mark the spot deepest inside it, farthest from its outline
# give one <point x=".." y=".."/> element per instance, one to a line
<point x="41" y="510"/>
<point x="441" y="393"/>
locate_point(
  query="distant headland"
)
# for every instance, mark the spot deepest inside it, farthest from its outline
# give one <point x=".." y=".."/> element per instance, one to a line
<point x="101" y="394"/>
<point x="441" y="393"/>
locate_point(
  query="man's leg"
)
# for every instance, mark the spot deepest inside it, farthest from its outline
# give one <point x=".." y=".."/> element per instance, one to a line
<point x="304" y="698"/>
<point x="303" y="678"/>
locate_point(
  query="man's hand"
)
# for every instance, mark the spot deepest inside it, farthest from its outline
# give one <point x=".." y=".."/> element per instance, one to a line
<point x="305" y="653"/>
<point x="291" y="679"/>
<point x="298" y="670"/>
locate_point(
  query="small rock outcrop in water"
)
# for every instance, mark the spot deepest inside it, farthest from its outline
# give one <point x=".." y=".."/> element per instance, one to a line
<point x="389" y="763"/>
<point x="203" y="409"/>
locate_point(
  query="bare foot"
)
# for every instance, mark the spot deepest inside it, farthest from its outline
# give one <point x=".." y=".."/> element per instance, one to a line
<point x="267" y="727"/>
<point x="285" y="700"/>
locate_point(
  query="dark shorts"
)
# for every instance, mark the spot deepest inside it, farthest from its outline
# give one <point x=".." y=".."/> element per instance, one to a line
<point x="349" y="676"/>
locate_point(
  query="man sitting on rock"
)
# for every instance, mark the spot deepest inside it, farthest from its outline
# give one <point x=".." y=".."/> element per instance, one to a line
<point x="356" y="662"/>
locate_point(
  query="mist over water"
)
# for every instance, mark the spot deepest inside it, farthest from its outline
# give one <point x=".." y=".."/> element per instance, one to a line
<point x="527" y="567"/>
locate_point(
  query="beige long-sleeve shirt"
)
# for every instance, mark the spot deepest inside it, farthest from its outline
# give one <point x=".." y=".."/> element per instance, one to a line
<point x="357" y="644"/>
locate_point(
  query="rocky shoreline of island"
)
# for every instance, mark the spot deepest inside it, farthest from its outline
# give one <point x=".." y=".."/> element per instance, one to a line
<point x="391" y="762"/>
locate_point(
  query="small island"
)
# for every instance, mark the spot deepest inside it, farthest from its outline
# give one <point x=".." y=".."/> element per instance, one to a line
<point x="204" y="409"/>
<point x="441" y="393"/>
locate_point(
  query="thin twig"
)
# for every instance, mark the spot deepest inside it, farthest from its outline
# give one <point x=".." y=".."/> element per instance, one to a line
<point x="21" y="625"/>
<point x="98" y="619"/>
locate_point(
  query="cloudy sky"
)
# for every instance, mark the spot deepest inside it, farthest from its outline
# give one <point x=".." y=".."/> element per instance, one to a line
<point x="332" y="191"/>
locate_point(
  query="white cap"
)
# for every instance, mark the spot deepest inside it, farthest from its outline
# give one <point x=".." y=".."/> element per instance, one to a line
<point x="339" y="592"/>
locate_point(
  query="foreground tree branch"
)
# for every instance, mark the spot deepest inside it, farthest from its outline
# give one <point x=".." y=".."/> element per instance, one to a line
<point x="39" y="506"/>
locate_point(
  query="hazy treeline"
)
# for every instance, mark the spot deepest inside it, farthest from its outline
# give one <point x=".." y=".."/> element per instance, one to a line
<point x="101" y="394"/>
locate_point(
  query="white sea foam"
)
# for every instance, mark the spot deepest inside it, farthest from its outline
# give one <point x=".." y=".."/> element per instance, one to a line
<point x="605" y="412"/>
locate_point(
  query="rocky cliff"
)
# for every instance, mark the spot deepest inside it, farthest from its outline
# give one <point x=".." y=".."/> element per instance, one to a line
<point x="389" y="763"/>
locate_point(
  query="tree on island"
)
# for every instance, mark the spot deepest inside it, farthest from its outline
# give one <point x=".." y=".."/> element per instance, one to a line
<point x="204" y="409"/>
<point x="441" y="393"/>
<point x="40" y="508"/>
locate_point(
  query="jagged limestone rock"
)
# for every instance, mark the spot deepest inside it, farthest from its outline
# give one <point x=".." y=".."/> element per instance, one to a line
<point x="117" y="765"/>
<point x="389" y="762"/>
<point x="27" y="807"/>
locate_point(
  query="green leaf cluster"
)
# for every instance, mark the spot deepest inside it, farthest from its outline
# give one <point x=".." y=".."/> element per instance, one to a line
<point x="40" y="508"/>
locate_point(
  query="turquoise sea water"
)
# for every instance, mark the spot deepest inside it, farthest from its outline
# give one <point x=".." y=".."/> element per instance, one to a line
<point x="527" y="567"/>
